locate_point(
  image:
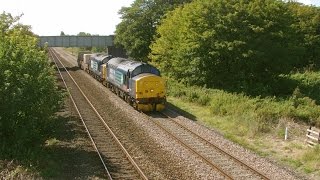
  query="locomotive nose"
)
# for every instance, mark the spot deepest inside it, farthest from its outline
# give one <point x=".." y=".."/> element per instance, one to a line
<point x="150" y="92"/>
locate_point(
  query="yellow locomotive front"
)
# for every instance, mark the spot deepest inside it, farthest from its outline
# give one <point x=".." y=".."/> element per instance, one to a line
<point x="148" y="91"/>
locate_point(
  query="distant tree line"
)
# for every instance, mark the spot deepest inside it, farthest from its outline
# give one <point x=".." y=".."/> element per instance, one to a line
<point x="92" y="49"/>
<point x="236" y="45"/>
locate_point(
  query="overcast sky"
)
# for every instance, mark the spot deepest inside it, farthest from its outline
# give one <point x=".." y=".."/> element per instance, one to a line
<point x="50" y="17"/>
<point x="313" y="2"/>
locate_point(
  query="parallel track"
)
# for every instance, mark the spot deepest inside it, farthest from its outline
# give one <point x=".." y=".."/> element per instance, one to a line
<point x="117" y="162"/>
<point x="228" y="165"/>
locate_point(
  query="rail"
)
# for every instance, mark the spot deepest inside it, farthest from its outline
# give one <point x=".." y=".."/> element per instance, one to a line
<point x="54" y="56"/>
<point x="217" y="147"/>
<point x="128" y="156"/>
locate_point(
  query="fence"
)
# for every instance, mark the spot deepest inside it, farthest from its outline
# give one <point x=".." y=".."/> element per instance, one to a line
<point x="313" y="137"/>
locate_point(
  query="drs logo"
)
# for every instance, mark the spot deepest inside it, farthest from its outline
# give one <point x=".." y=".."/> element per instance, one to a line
<point x="94" y="65"/>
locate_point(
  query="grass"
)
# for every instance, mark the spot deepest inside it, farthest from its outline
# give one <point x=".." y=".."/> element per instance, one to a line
<point x="258" y="123"/>
<point x="311" y="160"/>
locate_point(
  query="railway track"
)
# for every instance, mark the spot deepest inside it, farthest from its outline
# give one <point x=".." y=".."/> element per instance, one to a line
<point x="229" y="166"/>
<point x="117" y="162"/>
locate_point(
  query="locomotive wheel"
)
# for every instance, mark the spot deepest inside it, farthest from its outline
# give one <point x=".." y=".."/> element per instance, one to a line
<point x="135" y="105"/>
<point x="128" y="100"/>
<point x="154" y="107"/>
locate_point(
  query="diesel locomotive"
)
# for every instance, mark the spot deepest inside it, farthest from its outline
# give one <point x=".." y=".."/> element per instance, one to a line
<point x="138" y="83"/>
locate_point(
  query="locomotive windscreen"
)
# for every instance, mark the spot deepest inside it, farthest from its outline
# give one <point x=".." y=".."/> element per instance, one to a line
<point x="145" y="68"/>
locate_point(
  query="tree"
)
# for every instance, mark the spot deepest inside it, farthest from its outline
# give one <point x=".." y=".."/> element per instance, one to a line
<point x="62" y="33"/>
<point x="83" y="34"/>
<point x="28" y="93"/>
<point x="307" y="27"/>
<point x="226" y="44"/>
<point x="138" y="26"/>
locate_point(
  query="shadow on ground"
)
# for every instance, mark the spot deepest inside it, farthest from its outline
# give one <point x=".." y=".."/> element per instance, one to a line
<point x="67" y="154"/>
<point x="180" y="111"/>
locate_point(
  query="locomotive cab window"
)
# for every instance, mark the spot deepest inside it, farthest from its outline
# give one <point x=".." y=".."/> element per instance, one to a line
<point x="145" y="68"/>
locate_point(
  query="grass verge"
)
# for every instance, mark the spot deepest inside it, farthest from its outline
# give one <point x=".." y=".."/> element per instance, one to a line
<point x="259" y="123"/>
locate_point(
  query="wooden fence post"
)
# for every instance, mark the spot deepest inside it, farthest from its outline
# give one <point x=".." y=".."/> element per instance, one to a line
<point x="309" y="131"/>
<point x="313" y="137"/>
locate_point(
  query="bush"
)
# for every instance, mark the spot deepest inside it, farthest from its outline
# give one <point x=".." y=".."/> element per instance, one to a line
<point x="256" y="113"/>
<point x="28" y="93"/>
<point x="309" y="84"/>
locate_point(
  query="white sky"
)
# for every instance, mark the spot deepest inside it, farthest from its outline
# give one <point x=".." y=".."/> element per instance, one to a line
<point x="50" y="17"/>
<point x="311" y="2"/>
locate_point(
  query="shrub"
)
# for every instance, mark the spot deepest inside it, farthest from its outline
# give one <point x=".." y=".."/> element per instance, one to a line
<point x="257" y="114"/>
<point x="28" y="93"/>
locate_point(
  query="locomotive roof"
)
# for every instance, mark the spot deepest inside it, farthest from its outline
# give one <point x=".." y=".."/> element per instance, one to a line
<point x="125" y="64"/>
<point x="116" y="61"/>
<point x="100" y="57"/>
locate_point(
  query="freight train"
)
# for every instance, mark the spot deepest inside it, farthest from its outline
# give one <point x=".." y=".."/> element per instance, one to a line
<point x="138" y="83"/>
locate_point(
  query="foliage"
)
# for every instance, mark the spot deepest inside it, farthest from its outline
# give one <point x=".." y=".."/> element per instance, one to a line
<point x="254" y="122"/>
<point x="308" y="84"/>
<point x="83" y="34"/>
<point x="307" y="27"/>
<point x="257" y="114"/>
<point x="197" y="95"/>
<point x="28" y="93"/>
<point x="311" y="159"/>
<point x="231" y="45"/>
<point x="138" y="26"/>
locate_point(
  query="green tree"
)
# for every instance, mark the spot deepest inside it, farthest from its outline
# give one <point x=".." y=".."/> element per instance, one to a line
<point x="307" y="26"/>
<point x="227" y="44"/>
<point x="28" y="93"/>
<point x="138" y="26"/>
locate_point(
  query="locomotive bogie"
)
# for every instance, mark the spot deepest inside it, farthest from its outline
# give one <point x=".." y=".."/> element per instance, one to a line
<point x="150" y="107"/>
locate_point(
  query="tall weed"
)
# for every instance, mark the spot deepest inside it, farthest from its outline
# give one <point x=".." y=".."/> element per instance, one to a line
<point x="254" y="114"/>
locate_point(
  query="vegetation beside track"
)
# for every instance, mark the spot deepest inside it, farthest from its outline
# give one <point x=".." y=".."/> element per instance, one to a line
<point x="29" y="99"/>
<point x="259" y="123"/>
